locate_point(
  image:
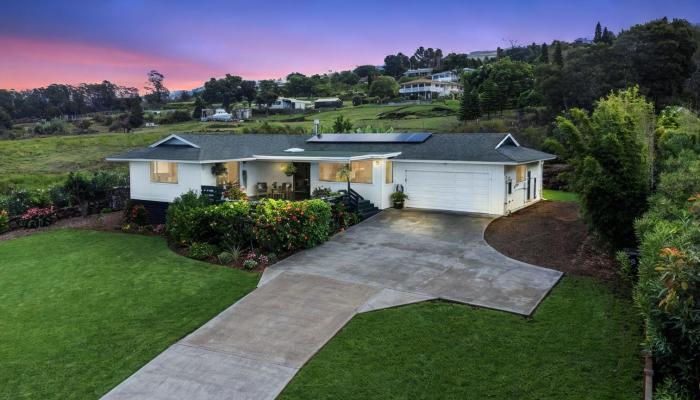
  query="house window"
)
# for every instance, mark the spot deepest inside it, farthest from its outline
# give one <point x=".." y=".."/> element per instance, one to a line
<point x="163" y="172"/>
<point x="361" y="172"/>
<point x="389" y="172"/>
<point x="520" y="173"/>
<point x="231" y="175"/>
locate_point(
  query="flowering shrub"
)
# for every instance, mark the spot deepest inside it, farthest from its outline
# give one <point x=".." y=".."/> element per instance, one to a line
<point x="282" y="225"/>
<point x="258" y="258"/>
<point x="250" y="264"/>
<point x="4" y="221"/>
<point x="36" y="217"/>
<point x="235" y="193"/>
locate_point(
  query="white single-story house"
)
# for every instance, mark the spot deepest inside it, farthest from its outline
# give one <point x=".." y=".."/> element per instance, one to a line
<point x="489" y="173"/>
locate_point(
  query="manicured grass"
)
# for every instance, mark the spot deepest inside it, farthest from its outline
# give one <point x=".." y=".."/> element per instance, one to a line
<point x="80" y="311"/>
<point x="582" y="343"/>
<point x="559" y="195"/>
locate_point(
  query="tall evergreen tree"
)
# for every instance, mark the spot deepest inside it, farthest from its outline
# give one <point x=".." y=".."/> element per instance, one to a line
<point x="490" y="97"/>
<point x="558" y="55"/>
<point x="598" y="33"/>
<point x="607" y="36"/>
<point x="469" y="108"/>
<point x="544" y="54"/>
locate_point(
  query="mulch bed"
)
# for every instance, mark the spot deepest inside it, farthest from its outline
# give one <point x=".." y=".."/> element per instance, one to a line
<point x="105" y="222"/>
<point x="551" y="234"/>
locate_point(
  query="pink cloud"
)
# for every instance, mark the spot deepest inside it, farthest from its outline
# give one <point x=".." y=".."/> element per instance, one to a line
<point x="29" y="63"/>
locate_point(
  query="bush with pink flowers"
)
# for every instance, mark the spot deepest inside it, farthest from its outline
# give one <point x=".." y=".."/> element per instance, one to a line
<point x="37" y="217"/>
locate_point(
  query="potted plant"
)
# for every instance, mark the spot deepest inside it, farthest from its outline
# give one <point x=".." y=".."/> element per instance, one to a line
<point x="218" y="169"/>
<point x="289" y="169"/>
<point x="398" y="198"/>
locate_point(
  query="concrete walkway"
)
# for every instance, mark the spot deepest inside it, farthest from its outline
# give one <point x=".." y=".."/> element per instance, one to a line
<point x="255" y="347"/>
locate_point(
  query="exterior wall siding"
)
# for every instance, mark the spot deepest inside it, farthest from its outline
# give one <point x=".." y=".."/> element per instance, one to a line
<point x="189" y="177"/>
<point x="518" y="198"/>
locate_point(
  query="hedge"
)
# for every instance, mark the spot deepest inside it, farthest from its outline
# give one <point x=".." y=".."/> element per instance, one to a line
<point x="275" y="226"/>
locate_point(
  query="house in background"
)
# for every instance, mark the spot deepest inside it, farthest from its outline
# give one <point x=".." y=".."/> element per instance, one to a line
<point x="288" y="103"/>
<point x="219" y="114"/>
<point x="446" y="76"/>
<point x="418" y="72"/>
<point x="429" y="89"/>
<point x="487" y="173"/>
<point x="329" y="102"/>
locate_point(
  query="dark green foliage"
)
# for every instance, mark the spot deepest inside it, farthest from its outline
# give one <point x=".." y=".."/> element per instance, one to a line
<point x="384" y="87"/>
<point x="135" y="118"/>
<point x="470" y="108"/>
<point x="83" y="187"/>
<point x="396" y="65"/>
<point x="198" y="106"/>
<point x="268" y="91"/>
<point x="5" y="120"/>
<point x="272" y="225"/>
<point x="174" y="117"/>
<point x="598" y="36"/>
<point x="558" y="57"/>
<point x="226" y="90"/>
<point x="158" y="94"/>
<point x="544" y="54"/>
<point x="248" y="91"/>
<point x="490" y="98"/>
<point x="342" y="125"/>
<point x="611" y="168"/>
<point x="4" y="221"/>
<point x="201" y="251"/>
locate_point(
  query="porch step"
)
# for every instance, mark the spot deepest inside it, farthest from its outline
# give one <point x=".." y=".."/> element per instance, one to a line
<point x="364" y="214"/>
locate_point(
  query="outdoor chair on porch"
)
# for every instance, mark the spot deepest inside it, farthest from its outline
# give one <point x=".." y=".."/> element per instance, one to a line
<point x="261" y="189"/>
<point x="276" y="191"/>
<point x="286" y="190"/>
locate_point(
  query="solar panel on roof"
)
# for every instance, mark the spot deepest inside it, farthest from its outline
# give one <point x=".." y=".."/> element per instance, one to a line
<point x="419" y="137"/>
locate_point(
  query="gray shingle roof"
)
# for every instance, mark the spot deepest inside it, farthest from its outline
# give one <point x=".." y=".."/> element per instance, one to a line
<point x="475" y="147"/>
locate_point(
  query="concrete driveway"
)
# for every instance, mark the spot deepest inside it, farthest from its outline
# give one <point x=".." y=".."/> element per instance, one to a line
<point x="255" y="347"/>
<point x="417" y="255"/>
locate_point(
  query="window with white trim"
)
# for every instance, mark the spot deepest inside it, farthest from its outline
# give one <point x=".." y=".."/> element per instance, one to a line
<point x="163" y="172"/>
<point x="361" y="172"/>
<point x="520" y="171"/>
<point x="389" y="173"/>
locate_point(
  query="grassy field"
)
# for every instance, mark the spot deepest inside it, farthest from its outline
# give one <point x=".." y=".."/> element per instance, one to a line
<point x="582" y="343"/>
<point x="559" y="195"/>
<point x="94" y="307"/>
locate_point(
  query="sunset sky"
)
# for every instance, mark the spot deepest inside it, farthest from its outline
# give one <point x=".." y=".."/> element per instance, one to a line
<point x="43" y="42"/>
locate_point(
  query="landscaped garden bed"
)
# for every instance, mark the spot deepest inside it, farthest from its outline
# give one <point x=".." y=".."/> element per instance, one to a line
<point x="246" y="234"/>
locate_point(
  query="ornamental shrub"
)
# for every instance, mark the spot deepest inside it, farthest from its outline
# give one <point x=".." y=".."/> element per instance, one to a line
<point x="282" y="226"/>
<point x="4" y="221"/>
<point x="37" y="217"/>
<point x="667" y="291"/>
<point x="180" y="219"/>
<point x="201" y="251"/>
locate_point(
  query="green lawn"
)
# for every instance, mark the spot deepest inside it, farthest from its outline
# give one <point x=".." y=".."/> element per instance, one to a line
<point x="582" y="343"/>
<point x="80" y="310"/>
<point x="559" y="195"/>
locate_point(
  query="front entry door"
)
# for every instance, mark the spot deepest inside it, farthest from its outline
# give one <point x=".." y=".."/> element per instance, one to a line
<point x="302" y="181"/>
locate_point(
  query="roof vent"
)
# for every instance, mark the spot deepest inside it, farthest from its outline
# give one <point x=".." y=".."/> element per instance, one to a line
<point x="294" y="150"/>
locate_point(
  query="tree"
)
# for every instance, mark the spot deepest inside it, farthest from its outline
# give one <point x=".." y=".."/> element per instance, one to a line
<point x="607" y="37"/>
<point x="199" y="104"/>
<point x="384" y="87"/>
<point x="396" y="65"/>
<point x="135" y="118"/>
<point x="469" y="107"/>
<point x="249" y="91"/>
<point x="342" y="125"/>
<point x="661" y="57"/>
<point x="598" y="36"/>
<point x="489" y="97"/>
<point x="609" y="153"/>
<point x="185" y="95"/>
<point x="544" y="54"/>
<point x="5" y="120"/>
<point x="267" y="92"/>
<point x="558" y="57"/>
<point x="157" y="92"/>
<point x="225" y="91"/>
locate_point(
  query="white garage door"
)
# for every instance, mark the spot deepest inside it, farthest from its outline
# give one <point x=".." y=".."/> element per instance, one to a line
<point x="457" y="191"/>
